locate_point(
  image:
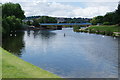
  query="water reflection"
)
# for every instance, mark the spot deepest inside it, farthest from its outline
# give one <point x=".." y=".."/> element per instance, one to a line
<point x="45" y="34"/>
<point x="42" y="33"/>
<point x="14" y="43"/>
<point x="28" y="33"/>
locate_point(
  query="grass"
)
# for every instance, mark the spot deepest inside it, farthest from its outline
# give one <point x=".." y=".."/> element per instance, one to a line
<point x="14" y="67"/>
<point x="0" y="65"/>
<point x="110" y="28"/>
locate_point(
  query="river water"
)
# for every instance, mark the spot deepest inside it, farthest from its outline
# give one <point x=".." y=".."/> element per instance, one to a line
<point x="66" y="53"/>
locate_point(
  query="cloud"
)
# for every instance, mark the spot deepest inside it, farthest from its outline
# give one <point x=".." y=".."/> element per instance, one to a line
<point x="57" y="9"/>
<point x="61" y="10"/>
<point x="59" y="1"/>
<point x="92" y="11"/>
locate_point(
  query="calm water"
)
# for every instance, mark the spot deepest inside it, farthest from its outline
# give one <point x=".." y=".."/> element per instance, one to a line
<point x="73" y="55"/>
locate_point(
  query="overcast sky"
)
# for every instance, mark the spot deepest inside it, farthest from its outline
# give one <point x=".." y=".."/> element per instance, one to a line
<point x="66" y="8"/>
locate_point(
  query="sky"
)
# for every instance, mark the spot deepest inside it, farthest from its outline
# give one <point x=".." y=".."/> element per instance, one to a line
<point x="66" y="8"/>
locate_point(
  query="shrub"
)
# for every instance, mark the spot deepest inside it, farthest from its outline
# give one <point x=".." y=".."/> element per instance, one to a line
<point x="106" y="23"/>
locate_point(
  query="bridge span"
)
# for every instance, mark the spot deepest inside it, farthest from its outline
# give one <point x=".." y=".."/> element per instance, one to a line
<point x="61" y="24"/>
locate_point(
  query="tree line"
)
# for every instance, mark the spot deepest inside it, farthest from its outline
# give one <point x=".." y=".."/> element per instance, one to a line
<point x="110" y="18"/>
<point x="42" y="19"/>
<point x="47" y="19"/>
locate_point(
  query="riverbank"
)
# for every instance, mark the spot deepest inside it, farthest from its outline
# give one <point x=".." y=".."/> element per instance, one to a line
<point x="111" y="30"/>
<point x="0" y="64"/>
<point x="14" y="67"/>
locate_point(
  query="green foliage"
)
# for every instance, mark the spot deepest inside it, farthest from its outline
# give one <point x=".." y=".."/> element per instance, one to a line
<point x="5" y="26"/>
<point x="106" y="23"/>
<point x="43" y="19"/>
<point x="106" y="28"/>
<point x="110" y="17"/>
<point x="11" y="23"/>
<point x="76" y="20"/>
<point x="11" y="9"/>
<point x="11" y="18"/>
<point x="75" y="28"/>
<point x="46" y="19"/>
<point x="98" y="19"/>
<point x="94" y="21"/>
<point x="36" y="23"/>
<point x="117" y="15"/>
<point x="28" y="22"/>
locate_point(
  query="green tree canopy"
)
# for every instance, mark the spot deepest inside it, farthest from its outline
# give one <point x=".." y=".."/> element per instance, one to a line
<point x="98" y="19"/>
<point x="11" y="9"/>
<point x="11" y="23"/>
<point x="117" y="15"/>
<point x="47" y="19"/>
<point x="36" y="23"/>
<point x="12" y="14"/>
<point x="109" y="17"/>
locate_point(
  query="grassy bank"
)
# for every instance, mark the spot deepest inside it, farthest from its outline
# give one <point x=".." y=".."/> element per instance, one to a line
<point x="111" y="30"/>
<point x="14" y="67"/>
<point x="0" y="64"/>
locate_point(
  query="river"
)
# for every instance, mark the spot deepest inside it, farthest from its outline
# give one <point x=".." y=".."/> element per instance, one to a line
<point x="66" y="53"/>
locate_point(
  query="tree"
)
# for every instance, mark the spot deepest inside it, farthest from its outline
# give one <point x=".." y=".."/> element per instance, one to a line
<point x="5" y="26"/>
<point x="46" y="19"/>
<point x="98" y="19"/>
<point x="11" y="9"/>
<point x="28" y="22"/>
<point x="117" y="15"/>
<point x="12" y="16"/>
<point x="109" y="17"/>
<point x="11" y="23"/>
<point x="36" y="23"/>
<point x="118" y="10"/>
<point x="113" y="17"/>
<point x="106" y="23"/>
<point x="94" y="21"/>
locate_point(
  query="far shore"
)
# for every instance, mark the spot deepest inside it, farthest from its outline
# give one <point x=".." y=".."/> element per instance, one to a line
<point x="110" y="30"/>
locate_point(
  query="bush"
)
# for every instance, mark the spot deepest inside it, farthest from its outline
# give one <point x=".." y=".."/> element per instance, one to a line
<point x="106" y="23"/>
<point x="10" y="23"/>
<point x="76" y="28"/>
<point x="35" y="23"/>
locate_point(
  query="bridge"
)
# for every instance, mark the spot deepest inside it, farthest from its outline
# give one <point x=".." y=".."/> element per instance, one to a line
<point x="59" y="26"/>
